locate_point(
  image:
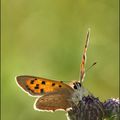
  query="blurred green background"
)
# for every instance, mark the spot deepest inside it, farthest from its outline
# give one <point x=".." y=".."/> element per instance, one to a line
<point x="46" y="38"/>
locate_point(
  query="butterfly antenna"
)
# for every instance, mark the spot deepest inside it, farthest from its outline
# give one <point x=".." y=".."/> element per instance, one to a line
<point x="90" y="67"/>
<point x="83" y="62"/>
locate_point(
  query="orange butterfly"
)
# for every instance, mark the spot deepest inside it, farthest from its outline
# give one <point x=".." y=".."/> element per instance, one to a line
<point x="54" y="95"/>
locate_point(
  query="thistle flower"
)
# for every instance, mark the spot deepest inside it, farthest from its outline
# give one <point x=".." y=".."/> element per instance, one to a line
<point x="89" y="108"/>
<point x="112" y="108"/>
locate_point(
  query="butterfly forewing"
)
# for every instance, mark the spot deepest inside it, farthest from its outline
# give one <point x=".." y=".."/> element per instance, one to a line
<point x="38" y="86"/>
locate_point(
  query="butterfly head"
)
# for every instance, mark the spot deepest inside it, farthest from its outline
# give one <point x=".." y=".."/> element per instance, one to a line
<point x="76" y="85"/>
<point x="79" y="92"/>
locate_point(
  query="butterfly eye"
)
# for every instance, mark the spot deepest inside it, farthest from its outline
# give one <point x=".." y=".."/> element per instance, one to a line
<point x="79" y="84"/>
<point x="75" y="87"/>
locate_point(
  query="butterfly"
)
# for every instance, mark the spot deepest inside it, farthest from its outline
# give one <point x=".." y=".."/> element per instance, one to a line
<point x="51" y="94"/>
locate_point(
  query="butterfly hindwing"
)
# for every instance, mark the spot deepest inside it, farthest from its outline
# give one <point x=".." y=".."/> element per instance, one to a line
<point x="37" y="86"/>
<point x="53" y="101"/>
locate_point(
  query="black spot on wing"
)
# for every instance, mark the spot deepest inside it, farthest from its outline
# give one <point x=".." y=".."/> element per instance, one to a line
<point x="27" y="87"/>
<point x="43" y="82"/>
<point x="53" y="84"/>
<point x="37" y="86"/>
<point x="60" y="86"/>
<point x="42" y="91"/>
<point x="32" y="82"/>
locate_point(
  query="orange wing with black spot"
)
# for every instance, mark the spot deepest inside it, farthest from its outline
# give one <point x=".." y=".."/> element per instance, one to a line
<point x="37" y="86"/>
